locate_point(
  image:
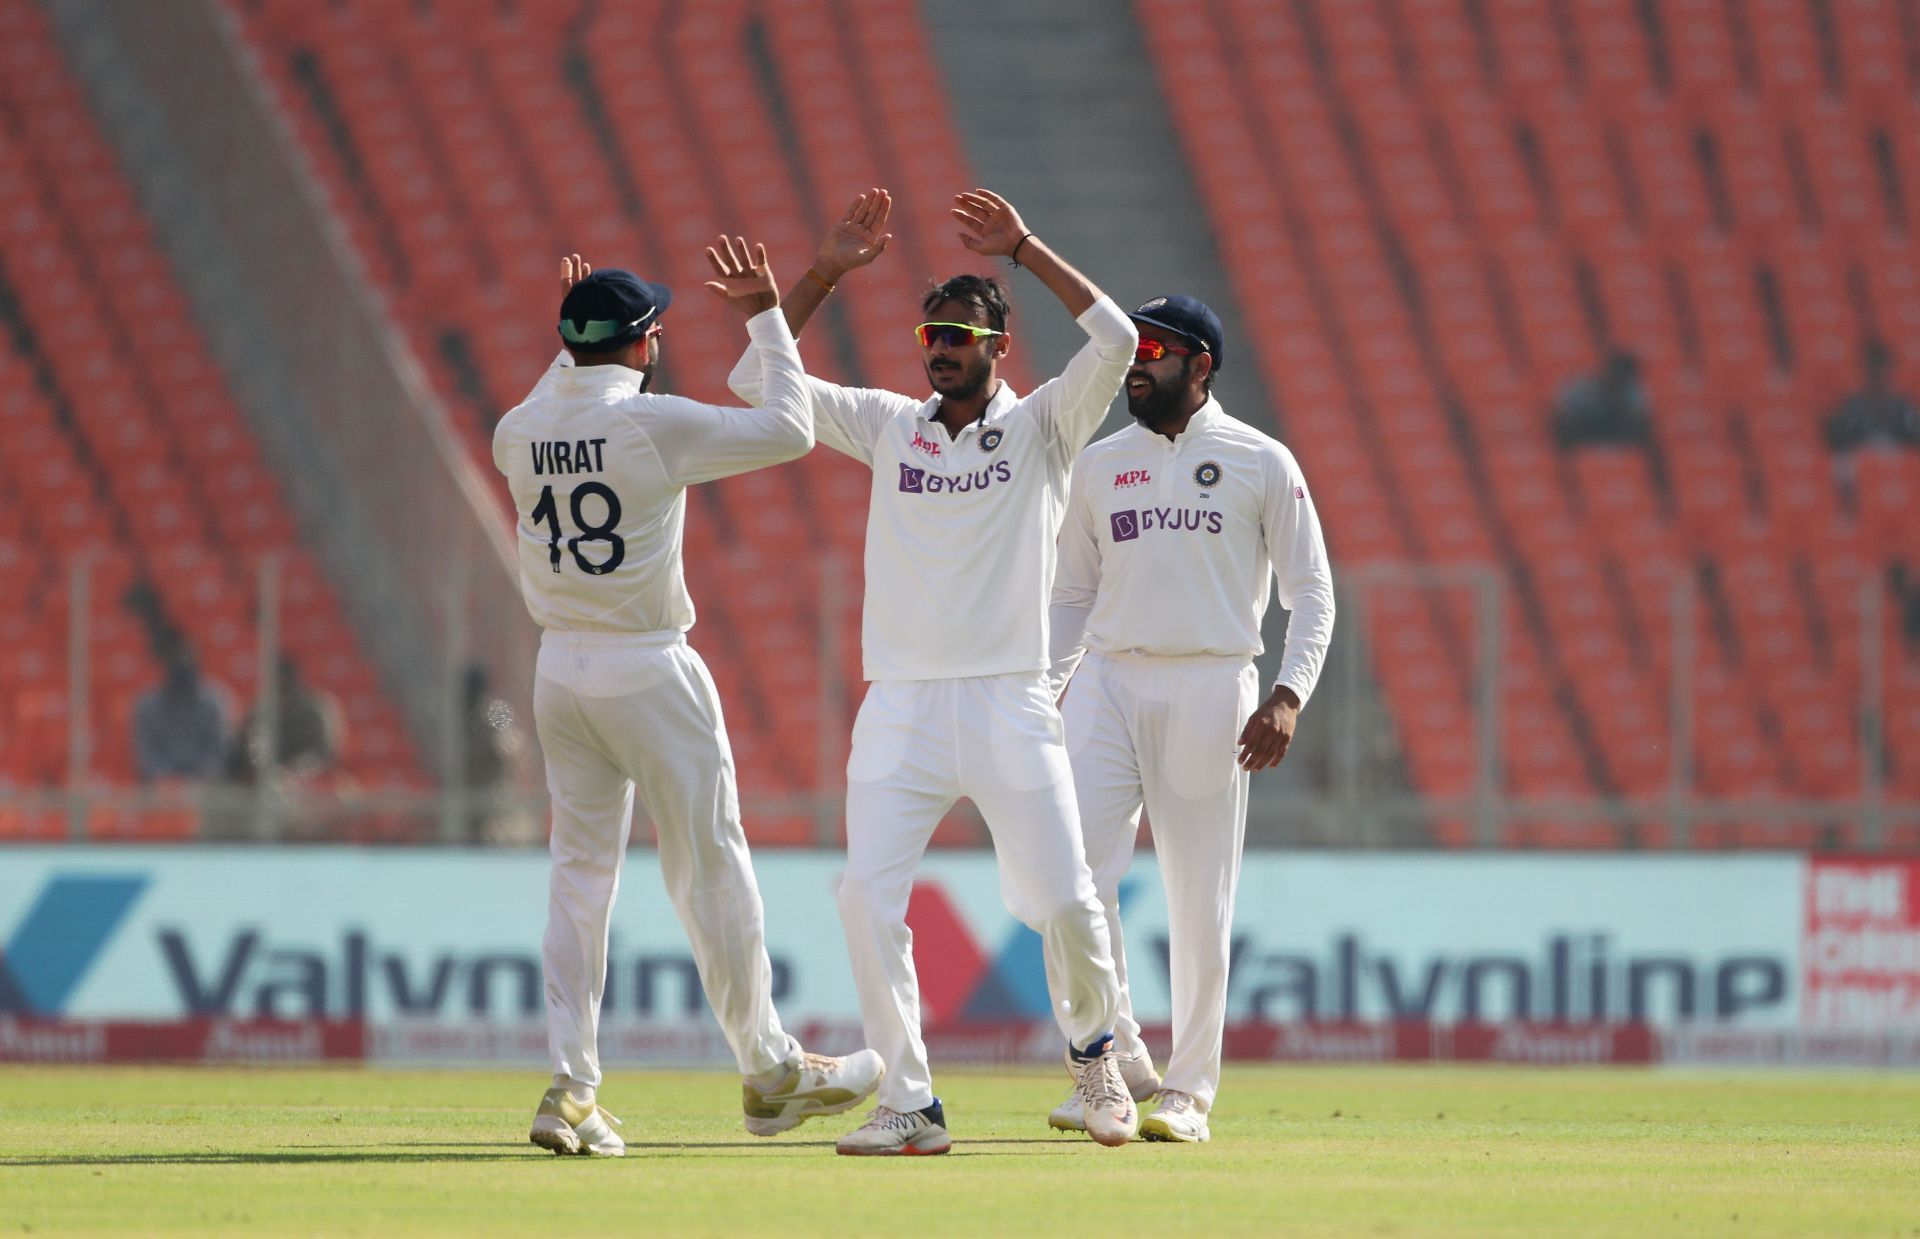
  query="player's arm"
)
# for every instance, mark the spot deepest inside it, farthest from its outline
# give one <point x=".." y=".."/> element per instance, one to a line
<point x="1073" y="404"/>
<point x="1076" y="581"/>
<point x="856" y="239"/>
<point x="700" y="442"/>
<point x="1298" y="554"/>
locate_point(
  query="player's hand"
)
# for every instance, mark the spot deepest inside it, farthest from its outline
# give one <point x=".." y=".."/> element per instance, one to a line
<point x="1264" y="740"/>
<point x="858" y="238"/>
<point x="573" y="269"/>
<point x="746" y="282"/>
<point x="993" y="227"/>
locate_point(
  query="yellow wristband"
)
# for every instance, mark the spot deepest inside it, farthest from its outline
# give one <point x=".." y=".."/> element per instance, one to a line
<point x="819" y="279"/>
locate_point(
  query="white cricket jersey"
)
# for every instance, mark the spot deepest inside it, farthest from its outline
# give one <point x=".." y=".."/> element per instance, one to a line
<point x="1168" y="548"/>
<point x="960" y="529"/>
<point x="599" y="471"/>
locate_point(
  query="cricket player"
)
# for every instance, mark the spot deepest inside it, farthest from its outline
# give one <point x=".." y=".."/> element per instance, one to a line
<point x="598" y="468"/>
<point x="1174" y="528"/>
<point x="968" y="490"/>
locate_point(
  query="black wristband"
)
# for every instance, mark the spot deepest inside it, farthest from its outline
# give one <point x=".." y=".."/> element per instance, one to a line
<point x="1013" y="259"/>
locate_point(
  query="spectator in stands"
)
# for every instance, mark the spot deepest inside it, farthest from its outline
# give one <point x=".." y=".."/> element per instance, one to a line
<point x="307" y="732"/>
<point x="1607" y="407"/>
<point x="1876" y="415"/>
<point x="179" y="725"/>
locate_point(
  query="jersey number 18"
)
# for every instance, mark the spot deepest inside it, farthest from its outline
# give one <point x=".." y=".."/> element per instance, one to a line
<point x="602" y="531"/>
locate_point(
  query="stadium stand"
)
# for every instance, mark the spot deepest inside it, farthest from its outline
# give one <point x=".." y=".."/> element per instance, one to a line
<point x="1437" y="214"/>
<point x="123" y="450"/>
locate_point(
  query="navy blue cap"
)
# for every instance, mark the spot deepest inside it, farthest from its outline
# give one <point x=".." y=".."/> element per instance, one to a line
<point x="610" y="309"/>
<point x="1187" y="315"/>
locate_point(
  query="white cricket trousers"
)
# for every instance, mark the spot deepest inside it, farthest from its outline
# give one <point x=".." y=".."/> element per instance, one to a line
<point x="1164" y="733"/>
<point x="615" y="711"/>
<point x="918" y="746"/>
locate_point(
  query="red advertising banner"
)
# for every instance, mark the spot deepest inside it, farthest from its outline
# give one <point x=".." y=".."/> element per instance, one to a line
<point x="33" y="1040"/>
<point x="1860" y="953"/>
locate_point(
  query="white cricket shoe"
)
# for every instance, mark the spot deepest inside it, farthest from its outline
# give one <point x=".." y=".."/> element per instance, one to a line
<point x="1142" y="1082"/>
<point x="891" y="1133"/>
<point x="813" y="1086"/>
<point x="567" y="1126"/>
<point x="1111" y="1117"/>
<point x="1177" y="1118"/>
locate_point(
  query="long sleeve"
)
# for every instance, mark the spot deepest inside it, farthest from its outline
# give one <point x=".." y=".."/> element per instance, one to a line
<point x="1076" y="581"/>
<point x="701" y="442"/>
<point x="1074" y="403"/>
<point x="1299" y="556"/>
<point x="847" y="419"/>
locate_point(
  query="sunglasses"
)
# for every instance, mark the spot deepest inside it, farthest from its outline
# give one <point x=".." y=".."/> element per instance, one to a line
<point x="1154" y="350"/>
<point x="953" y="335"/>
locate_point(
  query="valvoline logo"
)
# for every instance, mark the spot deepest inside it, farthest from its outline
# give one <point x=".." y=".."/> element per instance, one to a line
<point x="959" y="980"/>
<point x="59" y="938"/>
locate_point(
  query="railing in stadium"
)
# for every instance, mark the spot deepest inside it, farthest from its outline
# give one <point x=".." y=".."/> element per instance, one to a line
<point x="1349" y="788"/>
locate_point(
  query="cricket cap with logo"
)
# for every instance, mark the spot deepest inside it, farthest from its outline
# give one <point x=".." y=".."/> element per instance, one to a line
<point x="1187" y="315"/>
<point x="610" y="309"/>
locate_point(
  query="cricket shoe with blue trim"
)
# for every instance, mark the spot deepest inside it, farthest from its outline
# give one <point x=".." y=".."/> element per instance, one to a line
<point x="1177" y="1118"/>
<point x="568" y="1126"/>
<point x="893" y="1133"/>
<point x="1141" y="1079"/>
<point x="1111" y="1116"/>
<point x="811" y="1086"/>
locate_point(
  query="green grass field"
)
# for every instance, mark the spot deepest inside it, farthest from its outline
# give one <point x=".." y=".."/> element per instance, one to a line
<point x="1378" y="1150"/>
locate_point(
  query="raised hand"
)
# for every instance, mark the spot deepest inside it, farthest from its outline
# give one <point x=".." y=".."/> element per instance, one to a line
<point x="858" y="238"/>
<point x="573" y="269"/>
<point x="993" y="227"/>
<point x="745" y="283"/>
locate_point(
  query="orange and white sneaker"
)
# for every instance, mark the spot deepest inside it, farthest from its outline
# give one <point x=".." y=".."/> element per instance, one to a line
<point x="1177" y="1118"/>
<point x="568" y="1126"/>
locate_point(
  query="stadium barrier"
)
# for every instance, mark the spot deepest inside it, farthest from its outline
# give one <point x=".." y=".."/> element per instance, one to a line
<point x="433" y="956"/>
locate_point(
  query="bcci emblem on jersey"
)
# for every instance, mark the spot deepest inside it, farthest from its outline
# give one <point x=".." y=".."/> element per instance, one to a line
<point x="990" y="439"/>
<point x="1207" y="475"/>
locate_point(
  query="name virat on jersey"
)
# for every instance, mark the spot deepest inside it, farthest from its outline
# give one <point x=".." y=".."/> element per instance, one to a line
<point x="567" y="456"/>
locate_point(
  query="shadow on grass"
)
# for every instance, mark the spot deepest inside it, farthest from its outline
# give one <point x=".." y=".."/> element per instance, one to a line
<point x="425" y="1151"/>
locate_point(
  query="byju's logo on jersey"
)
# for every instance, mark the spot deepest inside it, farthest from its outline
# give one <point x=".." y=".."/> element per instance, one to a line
<point x="920" y="482"/>
<point x="1129" y="524"/>
<point x="990" y="439"/>
<point x="1207" y="475"/>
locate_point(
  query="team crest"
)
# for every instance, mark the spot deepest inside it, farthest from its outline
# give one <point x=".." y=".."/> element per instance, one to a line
<point x="990" y="439"/>
<point x="1207" y="475"/>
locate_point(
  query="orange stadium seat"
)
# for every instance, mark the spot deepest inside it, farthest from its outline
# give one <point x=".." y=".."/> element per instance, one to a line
<point x="1633" y="153"/>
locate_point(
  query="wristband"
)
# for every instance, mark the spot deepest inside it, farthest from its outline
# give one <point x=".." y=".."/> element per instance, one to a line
<point x="1013" y="259"/>
<point x="819" y="279"/>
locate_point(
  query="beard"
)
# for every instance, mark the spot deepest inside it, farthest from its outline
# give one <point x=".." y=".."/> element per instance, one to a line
<point x="966" y="381"/>
<point x="1160" y="406"/>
